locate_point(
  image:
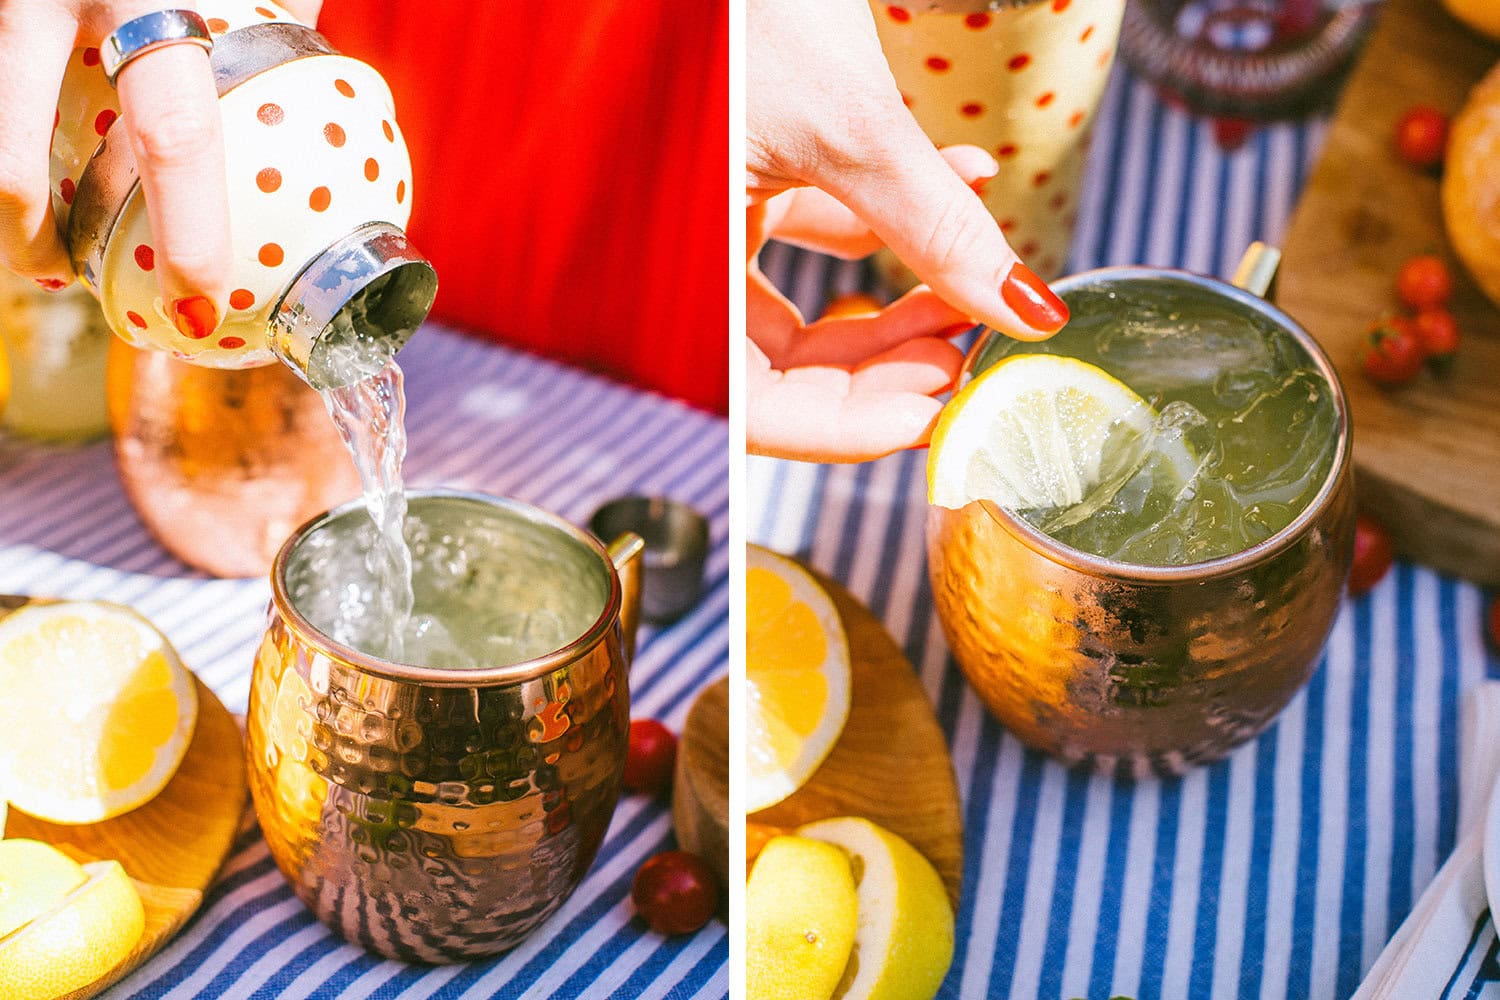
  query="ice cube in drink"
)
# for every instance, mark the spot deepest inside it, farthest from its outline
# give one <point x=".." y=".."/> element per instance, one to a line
<point x="1244" y="438"/>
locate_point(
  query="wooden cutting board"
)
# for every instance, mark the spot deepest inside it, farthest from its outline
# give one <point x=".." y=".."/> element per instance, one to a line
<point x="173" y="845"/>
<point x="1427" y="456"/>
<point x="891" y="762"/>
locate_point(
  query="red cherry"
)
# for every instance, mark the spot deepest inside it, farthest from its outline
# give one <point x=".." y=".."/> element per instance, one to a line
<point x="675" y="892"/>
<point x="1373" y="554"/>
<point x="650" y="756"/>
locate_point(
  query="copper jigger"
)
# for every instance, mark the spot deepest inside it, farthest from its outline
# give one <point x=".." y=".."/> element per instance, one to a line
<point x="222" y="465"/>
<point x="1142" y="669"/>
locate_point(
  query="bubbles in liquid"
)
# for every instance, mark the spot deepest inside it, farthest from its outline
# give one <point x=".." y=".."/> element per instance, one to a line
<point x="489" y="587"/>
<point x="1244" y="437"/>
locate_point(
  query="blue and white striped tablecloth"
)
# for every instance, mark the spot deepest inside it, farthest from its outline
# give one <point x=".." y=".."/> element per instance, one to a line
<point x="480" y="417"/>
<point x="1279" y="872"/>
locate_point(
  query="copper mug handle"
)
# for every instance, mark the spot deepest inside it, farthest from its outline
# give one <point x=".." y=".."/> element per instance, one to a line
<point x="626" y="554"/>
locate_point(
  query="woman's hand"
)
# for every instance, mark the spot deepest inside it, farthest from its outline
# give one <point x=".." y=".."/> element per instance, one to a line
<point x="822" y="110"/>
<point x="170" y="114"/>
<point x="845" y="389"/>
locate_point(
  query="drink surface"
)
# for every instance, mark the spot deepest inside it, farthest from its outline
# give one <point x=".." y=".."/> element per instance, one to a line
<point x="1245" y="433"/>
<point x="489" y="587"/>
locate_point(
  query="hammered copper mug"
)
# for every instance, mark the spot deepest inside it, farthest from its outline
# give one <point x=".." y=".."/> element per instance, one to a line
<point x="1144" y="669"/>
<point x="433" y="814"/>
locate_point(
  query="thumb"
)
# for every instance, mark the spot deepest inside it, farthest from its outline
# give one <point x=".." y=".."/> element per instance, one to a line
<point x="912" y="198"/>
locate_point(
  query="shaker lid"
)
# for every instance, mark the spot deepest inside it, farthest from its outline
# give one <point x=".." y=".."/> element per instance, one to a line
<point x="353" y="306"/>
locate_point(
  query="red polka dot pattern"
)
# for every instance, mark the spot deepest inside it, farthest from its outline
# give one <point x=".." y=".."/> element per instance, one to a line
<point x="1087" y="34"/>
<point x="320" y="198"/>
<point x="390" y="136"/>
<point x="898" y="14"/>
<point x="218" y="25"/>
<point x="938" y="64"/>
<point x="1041" y="178"/>
<point x="1028" y="248"/>
<point x="400" y="192"/>
<point x="241" y="298"/>
<point x="1006" y="151"/>
<point x="1061" y="5"/>
<point x="268" y="179"/>
<point x="977" y="21"/>
<point x="66" y="189"/>
<point x="1076" y="119"/>
<point x="231" y="343"/>
<point x="973" y="109"/>
<point x="91" y="57"/>
<point x="145" y="257"/>
<point x="135" y="319"/>
<point x="1018" y="62"/>
<point x="268" y="14"/>
<point x="342" y="86"/>
<point x="372" y="169"/>
<point x="270" y="114"/>
<point x="104" y="120"/>
<point x="1007" y="225"/>
<point x="334" y="133"/>
<point x="271" y="255"/>
<point x="1058" y="200"/>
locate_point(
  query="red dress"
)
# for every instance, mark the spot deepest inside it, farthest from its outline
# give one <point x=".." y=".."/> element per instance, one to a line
<point x="570" y="181"/>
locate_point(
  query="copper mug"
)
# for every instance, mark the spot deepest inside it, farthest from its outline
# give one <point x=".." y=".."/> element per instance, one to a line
<point x="433" y="814"/>
<point x="1144" y="669"/>
<point x="219" y="465"/>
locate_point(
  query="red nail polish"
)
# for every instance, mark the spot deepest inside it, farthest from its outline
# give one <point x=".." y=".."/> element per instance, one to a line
<point x="51" y="284"/>
<point x="1036" y="304"/>
<point x="195" y="316"/>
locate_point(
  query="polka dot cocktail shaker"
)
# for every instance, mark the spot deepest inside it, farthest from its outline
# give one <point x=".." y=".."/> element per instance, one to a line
<point x="1021" y="79"/>
<point x="319" y="190"/>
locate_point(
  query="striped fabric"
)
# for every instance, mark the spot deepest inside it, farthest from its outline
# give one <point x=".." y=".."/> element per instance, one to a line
<point x="1279" y="872"/>
<point x="480" y="417"/>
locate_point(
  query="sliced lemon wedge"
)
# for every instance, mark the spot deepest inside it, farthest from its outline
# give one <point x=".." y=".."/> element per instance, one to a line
<point x="83" y="920"/>
<point x="1033" y="431"/>
<point x="796" y="674"/>
<point x="97" y="711"/>
<point x="903" y="943"/>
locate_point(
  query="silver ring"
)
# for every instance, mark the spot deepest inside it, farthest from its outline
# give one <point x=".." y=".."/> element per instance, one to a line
<point x="148" y="32"/>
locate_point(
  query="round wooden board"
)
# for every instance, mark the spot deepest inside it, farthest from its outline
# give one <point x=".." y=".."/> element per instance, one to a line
<point x="891" y="762"/>
<point x="700" y="784"/>
<point x="173" y="845"/>
<point x="1427" y="456"/>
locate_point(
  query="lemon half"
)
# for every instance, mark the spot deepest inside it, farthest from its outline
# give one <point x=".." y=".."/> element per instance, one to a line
<point x="796" y="674"/>
<point x="97" y="710"/>
<point x="1030" y="432"/>
<point x="800" y="917"/>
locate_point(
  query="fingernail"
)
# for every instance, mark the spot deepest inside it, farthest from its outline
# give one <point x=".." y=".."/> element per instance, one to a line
<point x="51" y="284"/>
<point x="195" y="316"/>
<point x="1036" y="304"/>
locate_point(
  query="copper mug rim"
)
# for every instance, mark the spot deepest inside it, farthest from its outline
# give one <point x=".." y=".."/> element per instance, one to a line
<point x="477" y="677"/>
<point x="1099" y="566"/>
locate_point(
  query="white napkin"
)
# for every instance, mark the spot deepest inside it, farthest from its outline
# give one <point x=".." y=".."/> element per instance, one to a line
<point x="1436" y="941"/>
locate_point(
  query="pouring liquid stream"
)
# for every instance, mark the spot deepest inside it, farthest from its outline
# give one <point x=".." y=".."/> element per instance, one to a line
<point x="370" y="415"/>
